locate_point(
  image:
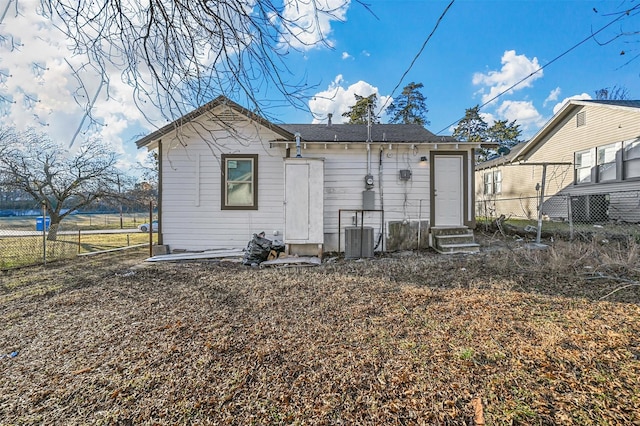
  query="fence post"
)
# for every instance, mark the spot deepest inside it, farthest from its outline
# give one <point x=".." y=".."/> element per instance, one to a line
<point x="79" y="243"/>
<point x="570" y="216"/>
<point x="540" y="202"/>
<point x="150" y="228"/>
<point x="44" y="233"/>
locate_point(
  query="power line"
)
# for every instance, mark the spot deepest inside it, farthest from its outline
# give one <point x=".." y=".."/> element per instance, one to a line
<point x="622" y="15"/>
<point x="415" y="58"/>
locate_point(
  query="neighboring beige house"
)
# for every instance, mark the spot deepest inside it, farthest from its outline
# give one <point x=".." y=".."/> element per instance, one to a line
<point x="226" y="173"/>
<point x="589" y="153"/>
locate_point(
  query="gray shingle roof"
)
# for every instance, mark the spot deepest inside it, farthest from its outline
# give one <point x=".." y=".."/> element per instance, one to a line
<point x="625" y="103"/>
<point x="396" y="133"/>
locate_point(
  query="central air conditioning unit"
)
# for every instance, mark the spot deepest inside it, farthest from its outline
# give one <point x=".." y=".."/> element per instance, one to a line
<point x="590" y="208"/>
<point x="358" y="242"/>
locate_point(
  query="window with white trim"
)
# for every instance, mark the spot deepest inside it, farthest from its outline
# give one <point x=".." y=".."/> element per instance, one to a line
<point x="631" y="159"/>
<point x="607" y="165"/>
<point x="239" y="182"/>
<point x="583" y="165"/>
<point x="492" y="182"/>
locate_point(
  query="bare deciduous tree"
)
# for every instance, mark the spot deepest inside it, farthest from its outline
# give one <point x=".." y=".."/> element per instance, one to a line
<point x="33" y="164"/>
<point x="180" y="55"/>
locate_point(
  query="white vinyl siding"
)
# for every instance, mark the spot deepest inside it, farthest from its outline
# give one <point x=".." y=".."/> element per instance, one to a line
<point x="192" y="218"/>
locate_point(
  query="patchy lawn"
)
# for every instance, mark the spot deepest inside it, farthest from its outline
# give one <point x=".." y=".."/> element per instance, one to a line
<point x="511" y="336"/>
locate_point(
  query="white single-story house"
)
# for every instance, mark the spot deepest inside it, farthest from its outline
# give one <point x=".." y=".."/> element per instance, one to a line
<point x="585" y="161"/>
<point x="226" y="173"/>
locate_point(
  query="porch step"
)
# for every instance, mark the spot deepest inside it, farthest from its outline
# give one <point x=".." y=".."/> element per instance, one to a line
<point x="449" y="230"/>
<point x="452" y="240"/>
<point x="458" y="248"/>
<point x="456" y="238"/>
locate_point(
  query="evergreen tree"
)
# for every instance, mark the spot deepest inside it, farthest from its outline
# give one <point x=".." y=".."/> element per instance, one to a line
<point x="359" y="112"/>
<point x="472" y="128"/>
<point x="410" y="107"/>
<point x="504" y="133"/>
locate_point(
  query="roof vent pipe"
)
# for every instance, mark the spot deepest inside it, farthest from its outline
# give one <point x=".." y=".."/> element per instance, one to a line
<point x="298" y="154"/>
<point x="329" y="119"/>
<point x="368" y="123"/>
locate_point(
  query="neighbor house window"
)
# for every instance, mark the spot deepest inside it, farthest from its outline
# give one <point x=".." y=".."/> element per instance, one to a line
<point x="607" y="162"/>
<point x="583" y="165"/>
<point x="493" y="182"/>
<point x="239" y="182"/>
<point x="581" y="118"/>
<point x="631" y="159"/>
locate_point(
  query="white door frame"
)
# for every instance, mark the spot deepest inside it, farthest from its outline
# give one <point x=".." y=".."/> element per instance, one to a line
<point x="449" y="188"/>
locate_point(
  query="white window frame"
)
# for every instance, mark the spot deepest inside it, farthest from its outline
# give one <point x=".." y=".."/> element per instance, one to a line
<point x="631" y="155"/>
<point x="583" y="169"/>
<point x="606" y="161"/>
<point x="492" y="182"/>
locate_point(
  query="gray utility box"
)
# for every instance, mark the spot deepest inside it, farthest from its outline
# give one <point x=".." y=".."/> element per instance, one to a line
<point x="358" y="242"/>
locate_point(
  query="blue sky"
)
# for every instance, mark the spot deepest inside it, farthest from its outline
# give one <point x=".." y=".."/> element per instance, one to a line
<point x="479" y="48"/>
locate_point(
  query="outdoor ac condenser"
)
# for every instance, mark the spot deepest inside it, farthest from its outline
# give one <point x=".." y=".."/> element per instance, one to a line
<point x="358" y="242"/>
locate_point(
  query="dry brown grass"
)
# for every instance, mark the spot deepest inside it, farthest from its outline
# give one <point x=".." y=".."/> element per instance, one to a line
<point x="411" y="339"/>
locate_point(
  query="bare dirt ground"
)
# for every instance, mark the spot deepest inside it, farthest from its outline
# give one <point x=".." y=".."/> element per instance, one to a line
<point x="506" y="336"/>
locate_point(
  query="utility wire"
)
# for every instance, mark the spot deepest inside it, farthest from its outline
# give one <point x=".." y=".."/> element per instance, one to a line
<point x="621" y="15"/>
<point x="415" y="58"/>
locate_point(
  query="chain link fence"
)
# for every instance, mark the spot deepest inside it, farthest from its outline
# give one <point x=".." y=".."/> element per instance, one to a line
<point x="26" y="240"/>
<point x="603" y="215"/>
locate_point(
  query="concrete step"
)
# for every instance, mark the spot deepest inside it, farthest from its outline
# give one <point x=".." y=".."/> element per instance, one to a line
<point x="449" y="230"/>
<point x="455" y="239"/>
<point x="458" y="248"/>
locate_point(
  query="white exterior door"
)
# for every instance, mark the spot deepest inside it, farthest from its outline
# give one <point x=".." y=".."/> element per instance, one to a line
<point x="447" y="190"/>
<point x="304" y="203"/>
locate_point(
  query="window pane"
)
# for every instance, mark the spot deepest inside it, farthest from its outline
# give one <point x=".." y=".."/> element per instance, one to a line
<point x="607" y="153"/>
<point x="584" y="159"/>
<point x="583" y="175"/>
<point x="239" y="182"/>
<point x="497" y="181"/>
<point x="607" y="162"/>
<point x="488" y="183"/>
<point x="607" y="172"/>
<point x="632" y="169"/>
<point x="239" y="170"/>
<point x="239" y="194"/>
<point x="631" y="150"/>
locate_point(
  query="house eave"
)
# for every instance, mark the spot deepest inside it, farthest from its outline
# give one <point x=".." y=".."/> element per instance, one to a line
<point x="382" y="144"/>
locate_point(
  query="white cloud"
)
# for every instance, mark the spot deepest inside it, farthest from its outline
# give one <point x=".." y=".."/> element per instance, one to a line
<point x="524" y="113"/>
<point x="345" y="55"/>
<point x="514" y="68"/>
<point x="553" y="96"/>
<point x="337" y="99"/>
<point x="309" y="25"/>
<point x="46" y="87"/>
<point x="565" y="100"/>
